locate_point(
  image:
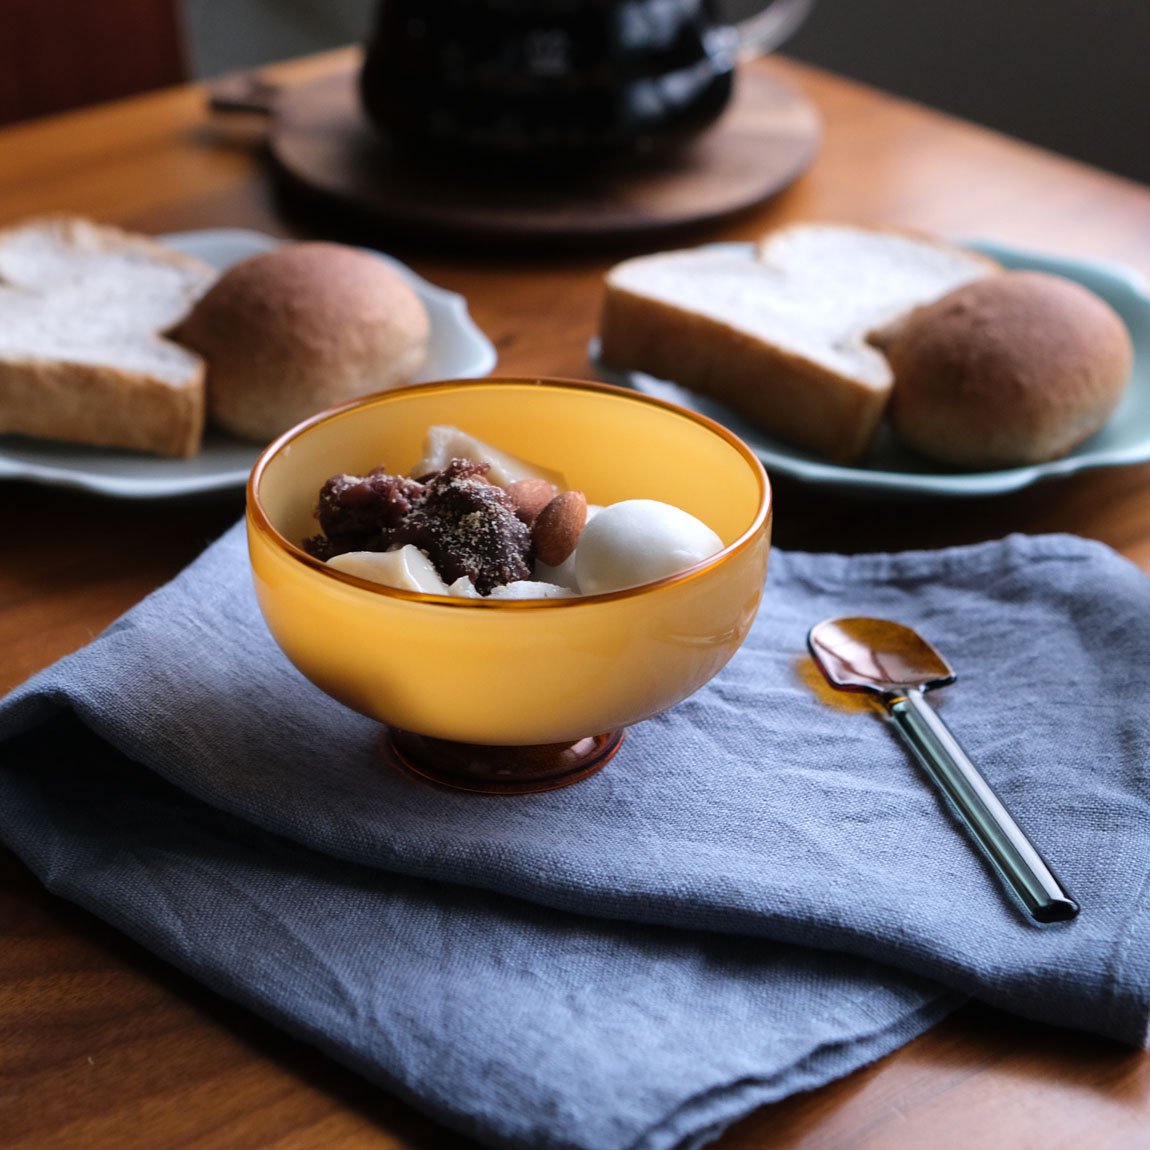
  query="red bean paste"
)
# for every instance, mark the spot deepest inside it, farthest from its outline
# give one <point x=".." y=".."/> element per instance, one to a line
<point x="464" y="524"/>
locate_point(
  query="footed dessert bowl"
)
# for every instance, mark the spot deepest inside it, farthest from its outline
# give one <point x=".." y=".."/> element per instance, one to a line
<point x="505" y="695"/>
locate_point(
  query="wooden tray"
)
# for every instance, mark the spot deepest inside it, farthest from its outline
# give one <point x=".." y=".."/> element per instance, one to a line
<point x="324" y="150"/>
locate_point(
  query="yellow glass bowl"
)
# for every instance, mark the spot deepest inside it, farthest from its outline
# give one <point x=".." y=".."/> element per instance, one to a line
<point x="514" y="673"/>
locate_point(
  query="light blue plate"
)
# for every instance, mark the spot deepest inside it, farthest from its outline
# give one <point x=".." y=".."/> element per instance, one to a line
<point x="457" y="350"/>
<point x="892" y="469"/>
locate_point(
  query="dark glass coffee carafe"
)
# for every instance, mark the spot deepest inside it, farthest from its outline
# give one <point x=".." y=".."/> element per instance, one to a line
<point x="543" y="83"/>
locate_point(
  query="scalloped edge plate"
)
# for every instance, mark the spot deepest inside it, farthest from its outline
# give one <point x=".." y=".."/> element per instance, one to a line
<point x="458" y="350"/>
<point x="891" y="469"/>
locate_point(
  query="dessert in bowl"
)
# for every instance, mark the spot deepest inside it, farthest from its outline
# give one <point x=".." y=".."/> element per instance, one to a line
<point x="512" y="694"/>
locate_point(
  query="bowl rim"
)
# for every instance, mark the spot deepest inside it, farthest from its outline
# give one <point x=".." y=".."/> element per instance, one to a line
<point x="258" y="518"/>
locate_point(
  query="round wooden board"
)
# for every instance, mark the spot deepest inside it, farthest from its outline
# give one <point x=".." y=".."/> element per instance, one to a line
<point x="323" y="146"/>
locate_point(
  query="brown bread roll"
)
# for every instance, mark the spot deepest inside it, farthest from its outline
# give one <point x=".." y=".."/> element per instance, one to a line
<point x="289" y="332"/>
<point x="1009" y="370"/>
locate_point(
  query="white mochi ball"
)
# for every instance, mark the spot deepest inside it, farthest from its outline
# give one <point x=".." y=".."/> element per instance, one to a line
<point x="638" y="541"/>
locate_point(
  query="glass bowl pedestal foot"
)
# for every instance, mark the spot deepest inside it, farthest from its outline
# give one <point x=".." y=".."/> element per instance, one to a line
<point x="496" y="770"/>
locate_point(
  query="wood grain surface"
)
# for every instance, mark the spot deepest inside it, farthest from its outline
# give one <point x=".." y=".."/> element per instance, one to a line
<point x="106" y="1048"/>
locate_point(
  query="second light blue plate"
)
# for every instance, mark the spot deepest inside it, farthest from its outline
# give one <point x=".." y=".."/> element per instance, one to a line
<point x="891" y="468"/>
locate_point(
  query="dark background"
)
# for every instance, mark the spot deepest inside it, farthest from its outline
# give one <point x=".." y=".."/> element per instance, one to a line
<point x="1070" y="75"/>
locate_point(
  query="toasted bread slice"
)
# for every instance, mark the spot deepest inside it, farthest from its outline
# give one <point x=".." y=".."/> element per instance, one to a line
<point x="82" y="357"/>
<point x="779" y="332"/>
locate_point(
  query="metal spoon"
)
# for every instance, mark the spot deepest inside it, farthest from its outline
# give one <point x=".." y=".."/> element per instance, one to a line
<point x="895" y="662"/>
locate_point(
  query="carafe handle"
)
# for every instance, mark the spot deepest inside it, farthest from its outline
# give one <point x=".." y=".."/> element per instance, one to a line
<point x="762" y="33"/>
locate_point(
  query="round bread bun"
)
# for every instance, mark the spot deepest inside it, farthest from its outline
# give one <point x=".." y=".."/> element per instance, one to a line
<point x="1012" y="369"/>
<point x="289" y="332"/>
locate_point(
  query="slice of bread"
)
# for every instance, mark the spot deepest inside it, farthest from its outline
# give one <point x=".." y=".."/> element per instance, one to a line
<point x="82" y="357"/>
<point x="779" y="332"/>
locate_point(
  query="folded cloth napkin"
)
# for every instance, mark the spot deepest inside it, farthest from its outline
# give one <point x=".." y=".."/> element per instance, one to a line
<point x="758" y="894"/>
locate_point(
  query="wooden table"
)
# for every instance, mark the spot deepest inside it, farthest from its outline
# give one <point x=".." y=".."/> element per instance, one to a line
<point x="106" y="1048"/>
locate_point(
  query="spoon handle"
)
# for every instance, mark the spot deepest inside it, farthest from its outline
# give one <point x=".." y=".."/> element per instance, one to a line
<point x="1004" y="842"/>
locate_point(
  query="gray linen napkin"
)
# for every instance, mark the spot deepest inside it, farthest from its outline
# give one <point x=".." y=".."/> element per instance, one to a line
<point x="758" y="894"/>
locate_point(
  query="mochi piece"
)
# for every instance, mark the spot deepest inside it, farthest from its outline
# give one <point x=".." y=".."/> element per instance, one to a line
<point x="406" y="568"/>
<point x="639" y="541"/>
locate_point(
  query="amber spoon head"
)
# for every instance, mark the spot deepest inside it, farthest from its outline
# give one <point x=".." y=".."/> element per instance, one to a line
<point x="862" y="654"/>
